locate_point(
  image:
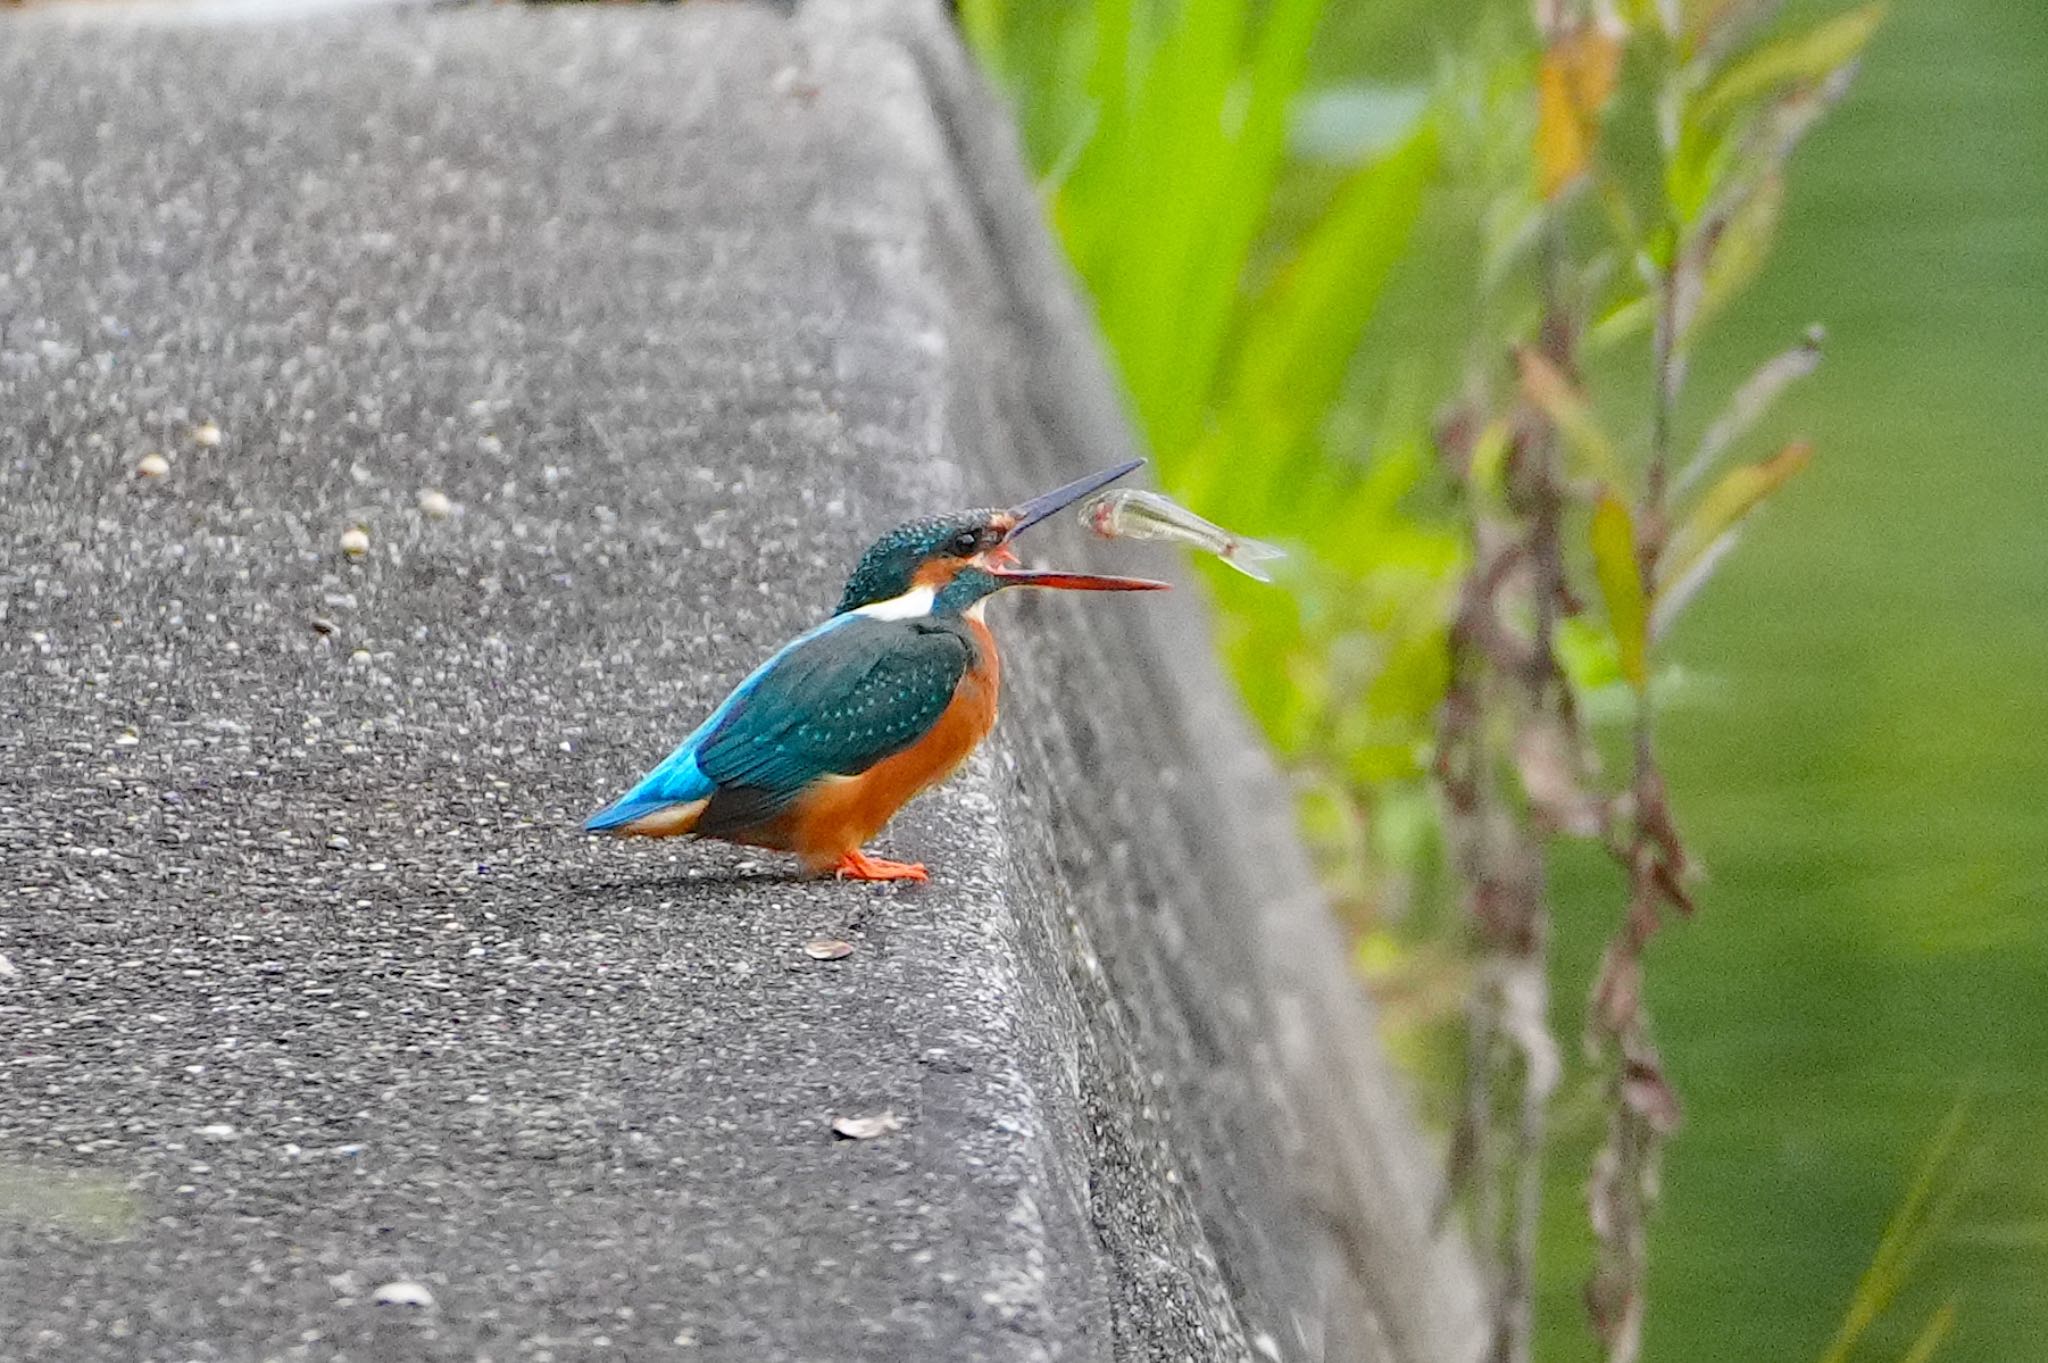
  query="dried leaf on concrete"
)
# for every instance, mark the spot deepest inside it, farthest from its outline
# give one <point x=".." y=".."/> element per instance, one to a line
<point x="866" y="1128"/>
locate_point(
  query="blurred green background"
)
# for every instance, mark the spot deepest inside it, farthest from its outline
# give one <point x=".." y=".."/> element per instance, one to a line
<point x="1866" y="773"/>
<point x="1856" y="744"/>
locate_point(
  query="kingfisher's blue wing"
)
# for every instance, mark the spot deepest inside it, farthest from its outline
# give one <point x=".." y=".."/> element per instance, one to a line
<point x="835" y="702"/>
<point x="835" y="707"/>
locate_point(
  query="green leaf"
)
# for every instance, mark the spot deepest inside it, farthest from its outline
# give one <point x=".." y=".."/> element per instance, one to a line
<point x="1626" y="320"/>
<point x="1932" y="1334"/>
<point x="1569" y="411"/>
<point x="1730" y="501"/>
<point x="1164" y="207"/>
<point x="1801" y="58"/>
<point x="1709" y="532"/>
<point x="1740" y="248"/>
<point x="1749" y="404"/>
<point x="1278" y="74"/>
<point x="1300" y="339"/>
<point x="1487" y="473"/>
<point x="1621" y="586"/>
<point x="1573" y="85"/>
<point x="1941" y="1178"/>
<point x="1697" y="167"/>
<point x="1587" y="654"/>
<point x="1041" y="59"/>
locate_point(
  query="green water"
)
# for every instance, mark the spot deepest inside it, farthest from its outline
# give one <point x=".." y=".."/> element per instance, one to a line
<point x="1867" y="775"/>
<point x="1861" y="762"/>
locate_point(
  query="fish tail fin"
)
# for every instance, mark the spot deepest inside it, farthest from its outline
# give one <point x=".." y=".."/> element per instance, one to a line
<point x="1247" y="555"/>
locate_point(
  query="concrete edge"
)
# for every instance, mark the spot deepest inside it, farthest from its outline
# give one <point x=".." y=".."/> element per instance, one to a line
<point x="1396" y="1285"/>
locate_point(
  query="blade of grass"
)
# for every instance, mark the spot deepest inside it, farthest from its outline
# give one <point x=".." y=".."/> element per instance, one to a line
<point x="1296" y="350"/>
<point x="1163" y="207"/>
<point x="1245" y="189"/>
<point x="1307" y="327"/>
<point x="1913" y="1226"/>
<point x="1808" y="56"/>
<point x="1932" y="1334"/>
<point x="1621" y="586"/>
<point x="1169" y="170"/>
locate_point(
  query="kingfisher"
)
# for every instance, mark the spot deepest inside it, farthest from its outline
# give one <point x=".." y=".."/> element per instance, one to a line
<point x="820" y="746"/>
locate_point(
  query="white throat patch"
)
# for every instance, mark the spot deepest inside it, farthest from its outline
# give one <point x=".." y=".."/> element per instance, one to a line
<point x="909" y="606"/>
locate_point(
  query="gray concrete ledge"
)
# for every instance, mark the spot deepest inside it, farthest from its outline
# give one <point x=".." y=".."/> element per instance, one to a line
<point x="310" y="986"/>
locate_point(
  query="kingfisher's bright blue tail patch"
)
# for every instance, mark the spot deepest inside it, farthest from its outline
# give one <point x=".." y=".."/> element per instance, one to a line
<point x="679" y="780"/>
<point x="676" y="781"/>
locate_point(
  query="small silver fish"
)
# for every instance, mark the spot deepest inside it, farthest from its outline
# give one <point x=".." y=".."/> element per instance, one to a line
<point x="1134" y="514"/>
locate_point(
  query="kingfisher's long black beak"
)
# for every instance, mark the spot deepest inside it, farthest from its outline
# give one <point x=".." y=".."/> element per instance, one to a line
<point x="1030" y="513"/>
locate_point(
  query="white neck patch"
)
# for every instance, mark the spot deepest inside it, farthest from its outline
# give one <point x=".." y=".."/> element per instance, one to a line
<point x="912" y="604"/>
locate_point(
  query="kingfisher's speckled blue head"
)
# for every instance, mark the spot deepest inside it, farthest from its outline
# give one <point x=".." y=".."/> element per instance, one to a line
<point x="965" y="556"/>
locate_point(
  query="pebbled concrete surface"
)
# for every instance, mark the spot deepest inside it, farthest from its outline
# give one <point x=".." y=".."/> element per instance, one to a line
<point x="314" y="986"/>
<point x="308" y="987"/>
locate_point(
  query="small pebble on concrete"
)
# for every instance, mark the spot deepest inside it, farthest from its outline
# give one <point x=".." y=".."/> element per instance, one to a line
<point x="403" y="1293"/>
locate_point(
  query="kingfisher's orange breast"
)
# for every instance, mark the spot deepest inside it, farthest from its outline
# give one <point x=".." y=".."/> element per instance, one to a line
<point x="840" y="813"/>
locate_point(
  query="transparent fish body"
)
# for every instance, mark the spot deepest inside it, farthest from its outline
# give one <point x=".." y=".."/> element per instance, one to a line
<point x="1134" y="514"/>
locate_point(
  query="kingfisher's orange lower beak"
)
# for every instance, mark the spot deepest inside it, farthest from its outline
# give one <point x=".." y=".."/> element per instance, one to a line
<point x="1075" y="582"/>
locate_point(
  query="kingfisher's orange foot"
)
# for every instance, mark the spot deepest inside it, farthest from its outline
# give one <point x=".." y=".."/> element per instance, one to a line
<point x="857" y="865"/>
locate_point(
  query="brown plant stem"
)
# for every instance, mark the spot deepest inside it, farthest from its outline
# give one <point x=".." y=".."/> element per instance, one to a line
<point x="1642" y="1106"/>
<point x="1507" y="685"/>
<point x="1547" y="698"/>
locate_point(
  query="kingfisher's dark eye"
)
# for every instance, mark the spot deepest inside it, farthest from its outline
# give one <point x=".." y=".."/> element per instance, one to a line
<point x="965" y="543"/>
